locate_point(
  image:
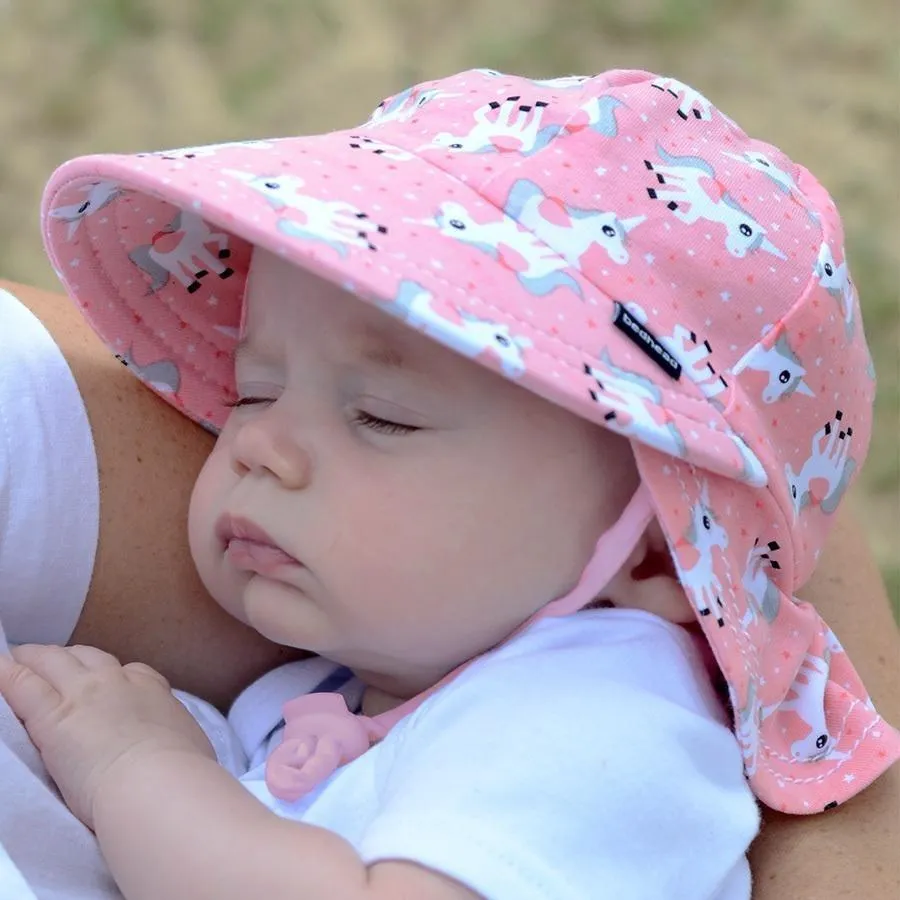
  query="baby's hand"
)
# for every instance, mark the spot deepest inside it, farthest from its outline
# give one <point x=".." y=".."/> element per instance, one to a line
<point x="88" y="716"/>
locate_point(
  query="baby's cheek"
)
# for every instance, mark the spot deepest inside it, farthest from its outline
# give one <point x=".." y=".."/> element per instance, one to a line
<point x="205" y="507"/>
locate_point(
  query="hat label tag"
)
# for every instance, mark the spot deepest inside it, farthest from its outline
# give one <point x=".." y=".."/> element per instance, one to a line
<point x="646" y="341"/>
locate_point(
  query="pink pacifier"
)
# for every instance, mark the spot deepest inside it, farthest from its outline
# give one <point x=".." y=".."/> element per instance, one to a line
<point x="320" y="734"/>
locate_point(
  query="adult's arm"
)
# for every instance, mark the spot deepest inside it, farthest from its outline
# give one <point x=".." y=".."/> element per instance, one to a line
<point x="851" y="851"/>
<point x="145" y="600"/>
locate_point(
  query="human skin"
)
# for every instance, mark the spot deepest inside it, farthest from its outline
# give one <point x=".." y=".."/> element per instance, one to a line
<point x="146" y="603"/>
<point x="404" y="478"/>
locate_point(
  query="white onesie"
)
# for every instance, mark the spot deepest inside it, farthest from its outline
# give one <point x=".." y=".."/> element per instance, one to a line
<point x="587" y="759"/>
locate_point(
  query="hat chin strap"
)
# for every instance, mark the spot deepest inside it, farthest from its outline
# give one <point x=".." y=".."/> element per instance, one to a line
<point x="321" y="734"/>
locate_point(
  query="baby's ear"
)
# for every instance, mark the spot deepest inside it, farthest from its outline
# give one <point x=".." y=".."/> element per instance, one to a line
<point x="648" y="581"/>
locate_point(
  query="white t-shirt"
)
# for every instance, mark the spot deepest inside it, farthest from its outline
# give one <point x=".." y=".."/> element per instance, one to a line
<point x="587" y="759"/>
<point x="49" y="493"/>
<point x="49" y="505"/>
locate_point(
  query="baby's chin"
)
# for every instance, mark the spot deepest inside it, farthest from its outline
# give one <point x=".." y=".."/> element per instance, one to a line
<point x="280" y="612"/>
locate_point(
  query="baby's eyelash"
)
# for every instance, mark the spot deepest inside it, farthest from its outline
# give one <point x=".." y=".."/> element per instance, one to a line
<point x="244" y="401"/>
<point x="385" y="426"/>
<point x="367" y="420"/>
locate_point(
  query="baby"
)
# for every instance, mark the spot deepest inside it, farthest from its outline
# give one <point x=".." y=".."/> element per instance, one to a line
<point x="535" y="400"/>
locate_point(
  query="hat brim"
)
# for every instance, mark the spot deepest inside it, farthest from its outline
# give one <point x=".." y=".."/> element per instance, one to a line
<point x="155" y="248"/>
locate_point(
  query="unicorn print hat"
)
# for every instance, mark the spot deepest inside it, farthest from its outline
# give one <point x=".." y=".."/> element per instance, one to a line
<point x="615" y="244"/>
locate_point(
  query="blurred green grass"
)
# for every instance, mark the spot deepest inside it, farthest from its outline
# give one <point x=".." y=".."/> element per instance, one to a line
<point x="818" y="77"/>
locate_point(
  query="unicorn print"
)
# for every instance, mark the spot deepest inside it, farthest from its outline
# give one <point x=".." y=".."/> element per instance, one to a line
<point x="471" y="336"/>
<point x="870" y="366"/>
<point x="829" y="463"/>
<point x="360" y="142"/>
<point x="630" y="397"/>
<point x="539" y="269"/>
<point x="690" y="100"/>
<point x="504" y="127"/>
<point x="694" y="354"/>
<point x="773" y="356"/>
<point x="836" y="280"/>
<point x="561" y="84"/>
<point x="209" y="149"/>
<point x="570" y="231"/>
<point x="783" y="181"/>
<point x="746" y="727"/>
<point x="682" y="185"/>
<point x="404" y="105"/>
<point x="763" y="597"/>
<point x="567" y="82"/>
<point x="598" y="115"/>
<point x="834" y="647"/>
<point x="752" y="471"/>
<point x="334" y="223"/>
<point x="808" y="703"/>
<point x="99" y="195"/>
<point x="703" y="535"/>
<point x="180" y="250"/>
<point x="163" y="375"/>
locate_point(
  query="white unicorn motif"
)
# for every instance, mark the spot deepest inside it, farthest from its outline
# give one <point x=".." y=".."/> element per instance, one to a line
<point x="501" y="127"/>
<point x="690" y="100"/>
<point x="378" y="148"/>
<point x="808" y="703"/>
<point x="332" y="222"/>
<point x="567" y="82"/>
<point x="752" y="471"/>
<point x="404" y="105"/>
<point x="693" y="355"/>
<point x="746" y="727"/>
<point x="180" y="250"/>
<point x="471" y="336"/>
<point x="704" y="534"/>
<point x="784" y="181"/>
<point x="99" y="194"/>
<point x="163" y="375"/>
<point x="599" y="115"/>
<point x="576" y="231"/>
<point x="629" y="395"/>
<point x="539" y="269"/>
<point x="773" y="356"/>
<point x="208" y="149"/>
<point x="563" y="84"/>
<point x="836" y="280"/>
<point x="836" y="648"/>
<point x="763" y="598"/>
<point x="681" y="189"/>
<point x="829" y="460"/>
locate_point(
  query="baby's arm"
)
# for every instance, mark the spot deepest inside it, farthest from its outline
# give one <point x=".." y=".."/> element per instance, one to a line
<point x="212" y="839"/>
<point x="134" y="766"/>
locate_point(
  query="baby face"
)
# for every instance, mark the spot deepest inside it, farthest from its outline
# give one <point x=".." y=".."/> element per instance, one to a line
<point x="382" y="501"/>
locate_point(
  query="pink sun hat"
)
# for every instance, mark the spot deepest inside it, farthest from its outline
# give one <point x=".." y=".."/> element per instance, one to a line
<point x="613" y="243"/>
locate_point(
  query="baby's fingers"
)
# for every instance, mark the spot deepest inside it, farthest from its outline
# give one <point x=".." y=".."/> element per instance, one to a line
<point x="143" y="671"/>
<point x="92" y="657"/>
<point x="56" y="665"/>
<point x="29" y="695"/>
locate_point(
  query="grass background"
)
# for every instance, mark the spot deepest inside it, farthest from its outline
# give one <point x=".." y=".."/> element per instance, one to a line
<point x="820" y="78"/>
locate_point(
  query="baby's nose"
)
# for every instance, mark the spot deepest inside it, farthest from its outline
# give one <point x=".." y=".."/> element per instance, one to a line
<point x="263" y="445"/>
